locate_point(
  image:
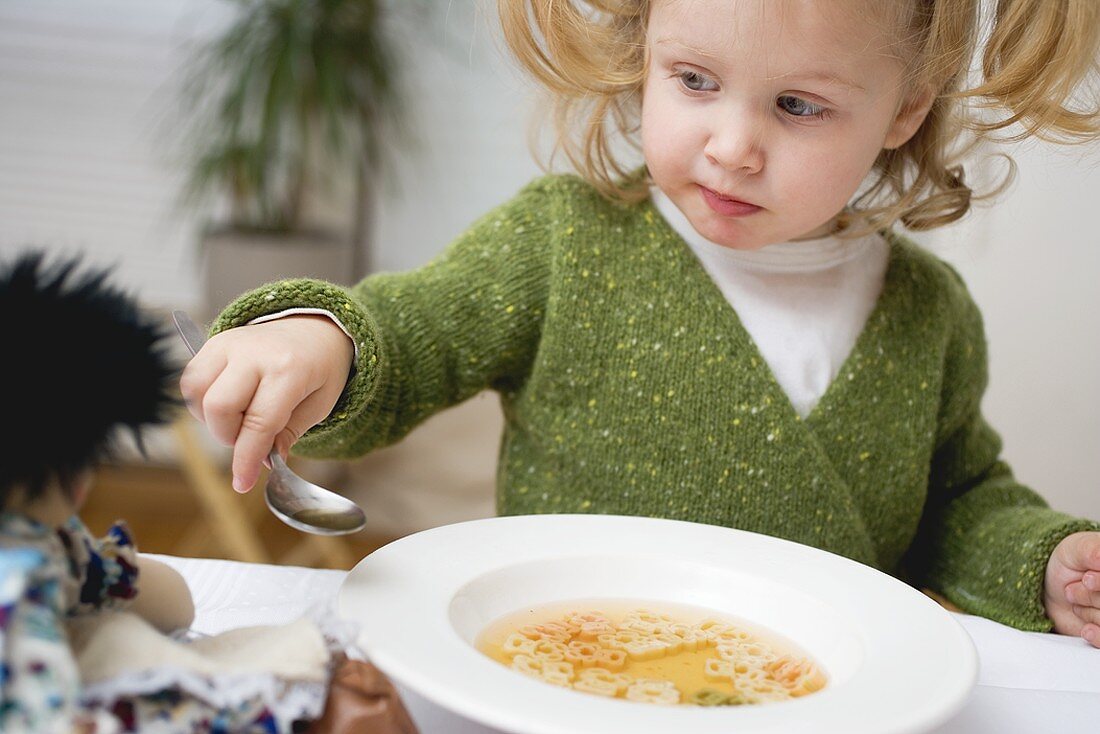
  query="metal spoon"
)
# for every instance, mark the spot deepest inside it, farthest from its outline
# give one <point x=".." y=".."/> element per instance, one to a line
<point x="300" y="504"/>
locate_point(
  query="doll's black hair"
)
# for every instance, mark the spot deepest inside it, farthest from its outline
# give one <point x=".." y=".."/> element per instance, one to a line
<point x="79" y="362"/>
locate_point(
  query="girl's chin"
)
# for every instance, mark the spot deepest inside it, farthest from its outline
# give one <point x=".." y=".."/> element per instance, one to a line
<point x="747" y="238"/>
<point x="732" y="240"/>
<point x="743" y="245"/>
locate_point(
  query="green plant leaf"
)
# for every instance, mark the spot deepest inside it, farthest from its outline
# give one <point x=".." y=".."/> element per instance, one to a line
<point x="290" y="91"/>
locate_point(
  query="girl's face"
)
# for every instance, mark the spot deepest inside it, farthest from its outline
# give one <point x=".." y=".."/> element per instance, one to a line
<point x="760" y="118"/>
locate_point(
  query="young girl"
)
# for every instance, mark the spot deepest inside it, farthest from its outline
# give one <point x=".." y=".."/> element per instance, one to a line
<point x="732" y="334"/>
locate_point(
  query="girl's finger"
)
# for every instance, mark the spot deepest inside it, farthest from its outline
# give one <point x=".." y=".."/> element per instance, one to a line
<point x="1080" y="551"/>
<point x="1076" y="593"/>
<point x="284" y="440"/>
<point x="1091" y="634"/>
<point x="1088" y="615"/>
<point x="225" y="403"/>
<point x="313" y="408"/>
<point x="264" y="418"/>
<point x="197" y="377"/>
<point x="1091" y="580"/>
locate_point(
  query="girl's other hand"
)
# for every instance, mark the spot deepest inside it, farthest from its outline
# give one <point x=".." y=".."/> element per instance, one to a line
<point x="264" y="385"/>
<point x="1071" y="591"/>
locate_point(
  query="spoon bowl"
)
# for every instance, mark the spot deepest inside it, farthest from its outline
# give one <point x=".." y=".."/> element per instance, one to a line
<point x="305" y="506"/>
<point x="300" y="504"/>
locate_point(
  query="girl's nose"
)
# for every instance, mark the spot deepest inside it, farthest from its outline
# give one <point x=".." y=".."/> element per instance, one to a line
<point x="737" y="145"/>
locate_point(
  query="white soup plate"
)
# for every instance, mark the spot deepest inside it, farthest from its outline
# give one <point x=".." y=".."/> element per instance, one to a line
<point x="896" y="662"/>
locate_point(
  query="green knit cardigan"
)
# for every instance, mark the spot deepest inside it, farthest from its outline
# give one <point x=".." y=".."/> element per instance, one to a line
<point x="629" y="386"/>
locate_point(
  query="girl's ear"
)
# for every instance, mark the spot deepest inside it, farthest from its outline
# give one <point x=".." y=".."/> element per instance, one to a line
<point x="909" y="117"/>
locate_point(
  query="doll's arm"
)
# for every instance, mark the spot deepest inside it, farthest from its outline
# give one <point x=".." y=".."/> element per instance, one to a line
<point x="111" y="575"/>
<point x="163" y="598"/>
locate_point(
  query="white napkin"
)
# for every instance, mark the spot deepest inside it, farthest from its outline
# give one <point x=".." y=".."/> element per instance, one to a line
<point x="231" y="594"/>
<point x="1032" y="660"/>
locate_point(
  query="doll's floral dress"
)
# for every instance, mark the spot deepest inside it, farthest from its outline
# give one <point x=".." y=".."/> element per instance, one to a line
<point x="46" y="576"/>
<point x="53" y="578"/>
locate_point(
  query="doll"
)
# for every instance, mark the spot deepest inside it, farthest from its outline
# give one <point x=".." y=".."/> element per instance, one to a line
<point x="80" y="363"/>
<point x="93" y="636"/>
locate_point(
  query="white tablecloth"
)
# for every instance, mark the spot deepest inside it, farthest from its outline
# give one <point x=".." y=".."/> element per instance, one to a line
<point x="1027" y="682"/>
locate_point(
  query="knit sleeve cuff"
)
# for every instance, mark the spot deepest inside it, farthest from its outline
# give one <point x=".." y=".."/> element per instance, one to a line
<point x="308" y="293"/>
<point x="1001" y="576"/>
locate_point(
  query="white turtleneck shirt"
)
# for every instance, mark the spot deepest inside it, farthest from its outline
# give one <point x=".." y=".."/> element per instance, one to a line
<point x="804" y="303"/>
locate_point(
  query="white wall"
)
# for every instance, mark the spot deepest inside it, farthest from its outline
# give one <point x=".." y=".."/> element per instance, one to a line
<point x="1032" y="261"/>
<point x="471" y="108"/>
<point x="83" y="88"/>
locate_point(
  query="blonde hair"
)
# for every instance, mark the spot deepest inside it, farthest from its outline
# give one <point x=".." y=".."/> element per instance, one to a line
<point x="590" y="55"/>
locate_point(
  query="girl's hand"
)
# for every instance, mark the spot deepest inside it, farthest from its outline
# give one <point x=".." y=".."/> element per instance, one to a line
<point x="1071" y="592"/>
<point x="265" y="385"/>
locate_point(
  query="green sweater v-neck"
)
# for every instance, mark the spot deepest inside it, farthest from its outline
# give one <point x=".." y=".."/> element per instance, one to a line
<point x="629" y="386"/>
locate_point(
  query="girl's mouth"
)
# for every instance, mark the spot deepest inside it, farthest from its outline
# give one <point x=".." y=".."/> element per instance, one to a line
<point x="726" y="206"/>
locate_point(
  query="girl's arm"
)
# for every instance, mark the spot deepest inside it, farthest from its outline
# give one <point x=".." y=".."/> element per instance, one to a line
<point x="432" y="337"/>
<point x="985" y="538"/>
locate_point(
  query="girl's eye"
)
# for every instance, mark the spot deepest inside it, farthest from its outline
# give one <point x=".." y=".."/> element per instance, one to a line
<point x="797" y="107"/>
<point x="696" y="82"/>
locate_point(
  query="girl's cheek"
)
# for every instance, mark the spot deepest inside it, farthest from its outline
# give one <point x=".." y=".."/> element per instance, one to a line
<point x="844" y="169"/>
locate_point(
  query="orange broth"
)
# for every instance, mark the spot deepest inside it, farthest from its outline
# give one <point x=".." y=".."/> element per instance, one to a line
<point x="643" y="651"/>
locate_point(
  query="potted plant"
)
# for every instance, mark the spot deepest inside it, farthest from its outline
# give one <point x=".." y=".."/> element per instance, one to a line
<point x="296" y="100"/>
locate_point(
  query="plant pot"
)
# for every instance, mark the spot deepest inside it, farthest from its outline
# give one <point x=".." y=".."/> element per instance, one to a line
<point x="234" y="261"/>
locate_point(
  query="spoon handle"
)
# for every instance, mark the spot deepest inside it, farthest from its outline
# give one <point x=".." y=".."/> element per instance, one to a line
<point x="190" y="333"/>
